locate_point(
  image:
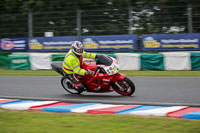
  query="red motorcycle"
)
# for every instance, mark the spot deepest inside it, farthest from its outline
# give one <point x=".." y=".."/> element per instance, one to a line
<point x="105" y="79"/>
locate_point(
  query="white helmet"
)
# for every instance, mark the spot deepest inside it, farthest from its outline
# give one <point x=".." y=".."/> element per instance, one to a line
<point x="77" y="47"/>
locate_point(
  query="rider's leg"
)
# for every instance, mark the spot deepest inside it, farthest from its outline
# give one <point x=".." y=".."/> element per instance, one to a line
<point x="76" y="82"/>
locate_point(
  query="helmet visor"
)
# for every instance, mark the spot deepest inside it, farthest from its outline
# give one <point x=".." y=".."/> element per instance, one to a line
<point x="80" y="51"/>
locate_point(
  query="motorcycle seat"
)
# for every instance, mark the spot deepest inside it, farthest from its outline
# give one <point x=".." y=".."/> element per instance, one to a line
<point x="57" y="66"/>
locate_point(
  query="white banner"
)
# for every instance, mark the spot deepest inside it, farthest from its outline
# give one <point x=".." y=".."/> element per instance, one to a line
<point x="177" y="60"/>
<point x="128" y="61"/>
<point x="40" y="61"/>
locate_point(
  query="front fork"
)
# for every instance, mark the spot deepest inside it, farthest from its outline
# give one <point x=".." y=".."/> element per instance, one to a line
<point x="120" y="88"/>
<point x="119" y="77"/>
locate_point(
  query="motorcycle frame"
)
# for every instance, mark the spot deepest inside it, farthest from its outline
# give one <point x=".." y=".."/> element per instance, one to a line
<point x="100" y="82"/>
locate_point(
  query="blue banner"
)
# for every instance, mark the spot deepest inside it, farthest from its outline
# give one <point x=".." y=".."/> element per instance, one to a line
<point x="110" y="43"/>
<point x="13" y="44"/>
<point x="51" y="43"/>
<point x="91" y="43"/>
<point x="171" y="41"/>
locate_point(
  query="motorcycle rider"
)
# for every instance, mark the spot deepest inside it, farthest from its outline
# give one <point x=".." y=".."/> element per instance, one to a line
<point x="73" y="61"/>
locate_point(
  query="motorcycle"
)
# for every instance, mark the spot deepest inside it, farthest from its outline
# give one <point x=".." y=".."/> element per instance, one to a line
<point x="105" y="79"/>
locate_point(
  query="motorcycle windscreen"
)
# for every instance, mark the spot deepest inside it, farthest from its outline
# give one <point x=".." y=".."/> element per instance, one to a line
<point x="104" y="60"/>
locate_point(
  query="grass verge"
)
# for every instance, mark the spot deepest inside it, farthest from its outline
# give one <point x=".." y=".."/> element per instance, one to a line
<point x="46" y="122"/>
<point x="126" y="72"/>
<point x="161" y="73"/>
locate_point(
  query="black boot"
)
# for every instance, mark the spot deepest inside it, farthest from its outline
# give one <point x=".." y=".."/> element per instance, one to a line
<point x="80" y="89"/>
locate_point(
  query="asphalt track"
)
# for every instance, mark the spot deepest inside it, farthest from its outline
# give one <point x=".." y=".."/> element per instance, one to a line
<point x="149" y="91"/>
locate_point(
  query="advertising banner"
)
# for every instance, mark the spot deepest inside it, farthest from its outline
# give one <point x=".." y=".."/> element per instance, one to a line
<point x="13" y="44"/>
<point x="51" y="43"/>
<point x="171" y="41"/>
<point x="91" y="43"/>
<point x="110" y="42"/>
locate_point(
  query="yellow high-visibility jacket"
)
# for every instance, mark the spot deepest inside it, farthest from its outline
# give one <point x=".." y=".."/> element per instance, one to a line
<point x="71" y="63"/>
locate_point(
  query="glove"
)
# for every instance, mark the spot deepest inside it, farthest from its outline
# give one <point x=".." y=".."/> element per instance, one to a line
<point x="97" y="56"/>
<point x="89" y="72"/>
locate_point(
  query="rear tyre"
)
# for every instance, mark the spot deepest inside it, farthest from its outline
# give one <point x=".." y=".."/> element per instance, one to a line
<point x="68" y="86"/>
<point x="124" y="87"/>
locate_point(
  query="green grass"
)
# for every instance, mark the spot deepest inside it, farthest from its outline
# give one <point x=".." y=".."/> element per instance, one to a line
<point x="45" y="122"/>
<point x="28" y="73"/>
<point x="126" y="72"/>
<point x="161" y="73"/>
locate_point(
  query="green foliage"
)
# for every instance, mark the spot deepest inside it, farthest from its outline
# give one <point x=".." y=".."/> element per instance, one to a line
<point x="98" y="17"/>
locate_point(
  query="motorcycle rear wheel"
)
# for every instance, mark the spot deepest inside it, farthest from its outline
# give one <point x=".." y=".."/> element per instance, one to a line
<point x="127" y="87"/>
<point x="67" y="88"/>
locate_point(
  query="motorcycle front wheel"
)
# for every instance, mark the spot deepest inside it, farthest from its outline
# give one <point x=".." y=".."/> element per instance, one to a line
<point x="68" y="86"/>
<point x="124" y="87"/>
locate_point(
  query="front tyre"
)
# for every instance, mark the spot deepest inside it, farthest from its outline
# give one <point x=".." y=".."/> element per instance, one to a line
<point x="124" y="87"/>
<point x="68" y="86"/>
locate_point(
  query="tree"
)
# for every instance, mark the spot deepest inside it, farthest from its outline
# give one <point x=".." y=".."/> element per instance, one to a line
<point x="98" y="17"/>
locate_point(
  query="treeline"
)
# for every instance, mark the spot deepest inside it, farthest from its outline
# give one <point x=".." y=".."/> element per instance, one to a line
<point x="97" y="17"/>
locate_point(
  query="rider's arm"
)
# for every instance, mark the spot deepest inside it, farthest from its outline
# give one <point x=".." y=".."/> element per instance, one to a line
<point x="88" y="55"/>
<point x="76" y="68"/>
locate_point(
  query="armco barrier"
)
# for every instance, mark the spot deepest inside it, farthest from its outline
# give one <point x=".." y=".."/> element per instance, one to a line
<point x="177" y="61"/>
<point x="40" y="61"/>
<point x="195" y="60"/>
<point x="100" y="108"/>
<point x="152" y="61"/>
<point x="4" y="60"/>
<point x="127" y="61"/>
<point x="57" y="57"/>
<point x="19" y="62"/>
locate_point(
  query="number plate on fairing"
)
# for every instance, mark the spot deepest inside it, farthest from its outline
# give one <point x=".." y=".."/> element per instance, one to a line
<point x="113" y="68"/>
